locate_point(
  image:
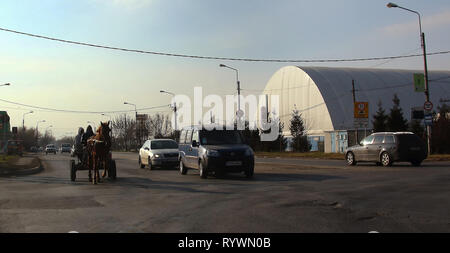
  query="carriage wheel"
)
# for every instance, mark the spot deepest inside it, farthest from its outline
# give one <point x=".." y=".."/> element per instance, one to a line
<point x="112" y="170"/>
<point x="73" y="170"/>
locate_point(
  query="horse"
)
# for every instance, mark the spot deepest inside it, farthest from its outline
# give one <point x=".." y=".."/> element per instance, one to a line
<point x="99" y="146"/>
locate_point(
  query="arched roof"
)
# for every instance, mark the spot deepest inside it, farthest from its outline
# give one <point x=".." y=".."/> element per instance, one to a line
<point x="324" y="95"/>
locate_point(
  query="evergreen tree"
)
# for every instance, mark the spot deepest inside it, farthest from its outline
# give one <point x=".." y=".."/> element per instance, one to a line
<point x="299" y="139"/>
<point x="379" y="119"/>
<point x="396" y="121"/>
<point x="416" y="127"/>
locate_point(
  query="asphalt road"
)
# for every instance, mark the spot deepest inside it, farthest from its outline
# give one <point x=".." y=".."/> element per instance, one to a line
<point x="285" y="195"/>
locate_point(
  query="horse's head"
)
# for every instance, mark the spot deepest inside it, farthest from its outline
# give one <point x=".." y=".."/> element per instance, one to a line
<point x="104" y="129"/>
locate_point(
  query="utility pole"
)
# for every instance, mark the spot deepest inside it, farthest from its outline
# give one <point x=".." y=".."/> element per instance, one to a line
<point x="422" y="42"/>
<point x="354" y="101"/>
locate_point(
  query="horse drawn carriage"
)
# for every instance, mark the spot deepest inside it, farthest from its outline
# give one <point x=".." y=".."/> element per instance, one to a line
<point x="95" y="156"/>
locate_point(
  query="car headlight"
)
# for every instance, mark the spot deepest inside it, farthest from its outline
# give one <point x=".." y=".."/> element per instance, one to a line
<point x="213" y="153"/>
<point x="157" y="156"/>
<point x="248" y="152"/>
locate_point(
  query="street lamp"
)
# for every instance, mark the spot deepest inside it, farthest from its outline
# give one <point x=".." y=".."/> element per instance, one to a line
<point x="422" y="42"/>
<point x="37" y="131"/>
<point x="23" y="120"/>
<point x="238" y="86"/>
<point x="174" y="106"/>
<point x="135" y="111"/>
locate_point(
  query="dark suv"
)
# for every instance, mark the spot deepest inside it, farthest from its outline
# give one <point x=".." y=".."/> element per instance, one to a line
<point x="384" y="148"/>
<point x="214" y="151"/>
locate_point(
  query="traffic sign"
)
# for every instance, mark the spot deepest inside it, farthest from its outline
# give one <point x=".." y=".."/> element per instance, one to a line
<point x="428" y="106"/>
<point x="419" y="83"/>
<point x="361" y="110"/>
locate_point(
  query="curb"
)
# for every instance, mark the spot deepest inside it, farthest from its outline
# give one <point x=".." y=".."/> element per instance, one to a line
<point x="25" y="172"/>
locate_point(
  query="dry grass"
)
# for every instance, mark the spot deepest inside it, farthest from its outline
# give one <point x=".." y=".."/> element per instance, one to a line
<point x="312" y="155"/>
<point x="333" y="156"/>
<point x="439" y="157"/>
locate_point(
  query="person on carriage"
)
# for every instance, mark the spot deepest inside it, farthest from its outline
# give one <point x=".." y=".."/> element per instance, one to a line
<point x="88" y="134"/>
<point x="78" y="143"/>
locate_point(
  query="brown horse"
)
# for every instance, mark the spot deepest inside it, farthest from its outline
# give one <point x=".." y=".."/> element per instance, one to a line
<point x="99" y="146"/>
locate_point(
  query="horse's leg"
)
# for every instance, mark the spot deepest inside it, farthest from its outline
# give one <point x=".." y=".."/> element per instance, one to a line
<point x="89" y="165"/>
<point x="95" y="165"/>
<point x="105" y="167"/>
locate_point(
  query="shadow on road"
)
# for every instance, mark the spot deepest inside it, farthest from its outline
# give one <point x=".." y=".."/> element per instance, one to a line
<point x="127" y="182"/>
<point x="279" y="177"/>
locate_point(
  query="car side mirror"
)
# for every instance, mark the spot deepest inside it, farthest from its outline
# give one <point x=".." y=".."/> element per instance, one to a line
<point x="194" y="143"/>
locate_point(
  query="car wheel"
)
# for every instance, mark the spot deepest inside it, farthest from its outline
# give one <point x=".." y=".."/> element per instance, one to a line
<point x="386" y="159"/>
<point x="183" y="170"/>
<point x="249" y="172"/>
<point x="149" y="163"/>
<point x="140" y="163"/>
<point x="416" y="163"/>
<point x="350" y="158"/>
<point x="203" y="171"/>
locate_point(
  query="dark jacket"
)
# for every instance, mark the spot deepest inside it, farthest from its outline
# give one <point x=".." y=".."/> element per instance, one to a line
<point x="89" y="133"/>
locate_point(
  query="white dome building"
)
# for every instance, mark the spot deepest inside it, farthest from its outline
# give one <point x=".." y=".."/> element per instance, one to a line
<point x="324" y="97"/>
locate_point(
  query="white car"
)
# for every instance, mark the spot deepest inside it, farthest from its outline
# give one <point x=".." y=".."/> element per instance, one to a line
<point x="159" y="152"/>
<point x="50" y="148"/>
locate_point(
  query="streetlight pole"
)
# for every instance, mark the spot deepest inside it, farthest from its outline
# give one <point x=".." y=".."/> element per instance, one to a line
<point x="37" y="131"/>
<point x="174" y="106"/>
<point x="238" y="84"/>
<point x="136" y="127"/>
<point x="422" y="42"/>
<point x="47" y="128"/>
<point x="23" y="120"/>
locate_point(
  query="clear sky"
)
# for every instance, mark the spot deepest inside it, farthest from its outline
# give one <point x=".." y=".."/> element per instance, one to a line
<point x="64" y="76"/>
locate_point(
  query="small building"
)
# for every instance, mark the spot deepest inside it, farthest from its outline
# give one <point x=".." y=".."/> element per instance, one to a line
<point x="324" y="97"/>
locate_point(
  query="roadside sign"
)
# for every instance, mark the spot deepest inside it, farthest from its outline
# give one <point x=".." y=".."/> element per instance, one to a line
<point x="428" y="106"/>
<point x="361" y="122"/>
<point x="419" y="82"/>
<point x="361" y="110"/>
<point x="417" y="113"/>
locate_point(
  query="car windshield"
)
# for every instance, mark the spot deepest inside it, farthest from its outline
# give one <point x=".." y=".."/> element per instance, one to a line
<point x="164" y="144"/>
<point x="65" y="145"/>
<point x="218" y="137"/>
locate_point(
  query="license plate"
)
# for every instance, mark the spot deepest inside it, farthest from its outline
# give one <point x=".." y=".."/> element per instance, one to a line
<point x="233" y="163"/>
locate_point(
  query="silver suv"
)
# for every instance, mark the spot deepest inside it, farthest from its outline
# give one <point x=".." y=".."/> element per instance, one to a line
<point x="385" y="148"/>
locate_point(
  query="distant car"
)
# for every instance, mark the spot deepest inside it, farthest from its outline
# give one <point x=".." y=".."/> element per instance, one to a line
<point x="34" y="149"/>
<point x="50" y="148"/>
<point x="215" y="151"/>
<point x="15" y="147"/>
<point x="158" y="152"/>
<point x="65" y="148"/>
<point x="385" y="148"/>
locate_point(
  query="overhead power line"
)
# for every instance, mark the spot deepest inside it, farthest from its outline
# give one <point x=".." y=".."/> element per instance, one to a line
<point x="86" y="112"/>
<point x="215" y="57"/>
